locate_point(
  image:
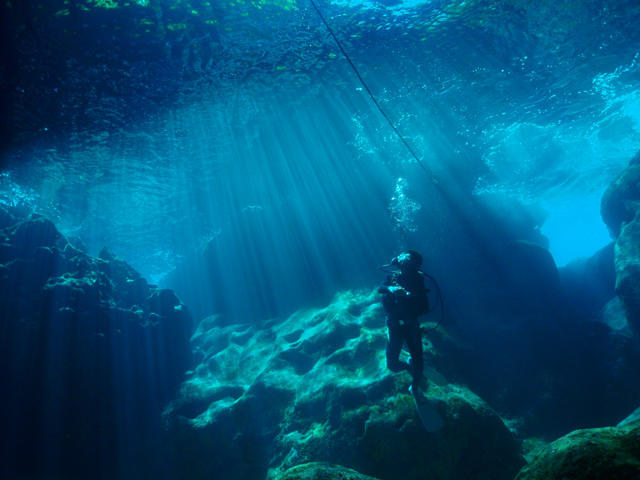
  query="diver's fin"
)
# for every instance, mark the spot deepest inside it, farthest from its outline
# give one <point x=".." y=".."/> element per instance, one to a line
<point x="429" y="416"/>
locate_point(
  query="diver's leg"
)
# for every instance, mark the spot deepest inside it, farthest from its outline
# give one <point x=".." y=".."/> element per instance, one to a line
<point x="414" y="343"/>
<point x="394" y="346"/>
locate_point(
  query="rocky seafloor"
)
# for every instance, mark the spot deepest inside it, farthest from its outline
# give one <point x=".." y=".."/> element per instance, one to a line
<point x="104" y="375"/>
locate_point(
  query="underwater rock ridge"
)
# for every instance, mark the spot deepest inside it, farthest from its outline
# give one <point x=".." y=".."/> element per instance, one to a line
<point x="621" y="212"/>
<point x="314" y="387"/>
<point x="597" y="453"/>
<point x="89" y="355"/>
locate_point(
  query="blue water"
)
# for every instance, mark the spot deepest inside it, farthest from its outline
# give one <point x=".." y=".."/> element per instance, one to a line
<point x="242" y="129"/>
<point x="537" y="104"/>
<point x="228" y="151"/>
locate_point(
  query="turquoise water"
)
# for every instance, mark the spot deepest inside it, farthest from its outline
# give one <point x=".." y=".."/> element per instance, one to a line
<point x="266" y="118"/>
<point x="231" y="152"/>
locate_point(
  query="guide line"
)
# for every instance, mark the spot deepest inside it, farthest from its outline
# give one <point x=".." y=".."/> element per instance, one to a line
<point x="370" y="93"/>
<point x="396" y="131"/>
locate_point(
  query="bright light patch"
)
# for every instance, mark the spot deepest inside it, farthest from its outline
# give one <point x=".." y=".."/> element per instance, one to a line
<point x="574" y="228"/>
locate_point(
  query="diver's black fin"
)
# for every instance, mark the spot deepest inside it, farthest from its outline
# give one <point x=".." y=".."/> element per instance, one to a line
<point x="429" y="416"/>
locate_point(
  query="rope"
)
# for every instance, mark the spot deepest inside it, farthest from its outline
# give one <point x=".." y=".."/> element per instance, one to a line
<point x="368" y="90"/>
<point x="395" y="130"/>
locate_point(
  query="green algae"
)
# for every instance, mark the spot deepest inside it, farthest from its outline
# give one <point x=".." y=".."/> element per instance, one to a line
<point x="104" y="3"/>
<point x="176" y="26"/>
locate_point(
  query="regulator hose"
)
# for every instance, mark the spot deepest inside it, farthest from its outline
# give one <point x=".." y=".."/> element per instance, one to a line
<point x="440" y="301"/>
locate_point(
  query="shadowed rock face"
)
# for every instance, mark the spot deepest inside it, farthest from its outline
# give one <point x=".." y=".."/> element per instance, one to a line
<point x="315" y="387"/>
<point x="620" y="200"/>
<point x="89" y="355"/>
<point x="612" y="452"/>
<point x="537" y="345"/>
<point x="628" y="271"/>
<point x="621" y="212"/>
<point x="589" y="283"/>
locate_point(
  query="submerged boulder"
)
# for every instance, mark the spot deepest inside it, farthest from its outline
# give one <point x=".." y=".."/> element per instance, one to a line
<point x="315" y="387"/>
<point x="591" y="454"/>
<point x="322" y="471"/>
<point x="89" y="356"/>
<point x="474" y="443"/>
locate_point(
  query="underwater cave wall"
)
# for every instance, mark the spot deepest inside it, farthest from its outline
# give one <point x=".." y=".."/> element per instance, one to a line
<point x="90" y="353"/>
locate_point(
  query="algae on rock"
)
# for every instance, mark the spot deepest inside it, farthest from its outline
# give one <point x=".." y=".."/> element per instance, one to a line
<point x="315" y="387"/>
<point x="590" y="454"/>
<point x="322" y="471"/>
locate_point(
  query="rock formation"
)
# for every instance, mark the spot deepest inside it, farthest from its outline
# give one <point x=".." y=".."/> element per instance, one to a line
<point x="591" y="454"/>
<point x="89" y="355"/>
<point x="322" y="471"/>
<point x="315" y="387"/>
<point x="621" y="212"/>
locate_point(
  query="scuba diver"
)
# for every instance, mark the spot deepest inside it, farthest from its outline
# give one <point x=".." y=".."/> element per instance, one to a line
<point x="404" y="298"/>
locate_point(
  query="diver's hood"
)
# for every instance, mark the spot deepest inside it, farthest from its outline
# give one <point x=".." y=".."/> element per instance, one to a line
<point x="406" y="261"/>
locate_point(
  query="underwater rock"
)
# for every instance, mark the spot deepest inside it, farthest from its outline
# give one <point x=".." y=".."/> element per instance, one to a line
<point x="534" y="282"/>
<point x="628" y="271"/>
<point x="322" y="471"/>
<point x="589" y="283"/>
<point x="315" y="387"/>
<point x="614" y="317"/>
<point x="622" y="199"/>
<point x="523" y="282"/>
<point x="555" y="375"/>
<point x="610" y="452"/>
<point x="474" y="442"/>
<point x="633" y="418"/>
<point x="26" y="236"/>
<point x="621" y="212"/>
<point x="89" y="356"/>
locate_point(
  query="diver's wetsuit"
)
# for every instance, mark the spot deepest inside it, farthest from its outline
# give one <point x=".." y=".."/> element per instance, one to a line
<point x="404" y="300"/>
